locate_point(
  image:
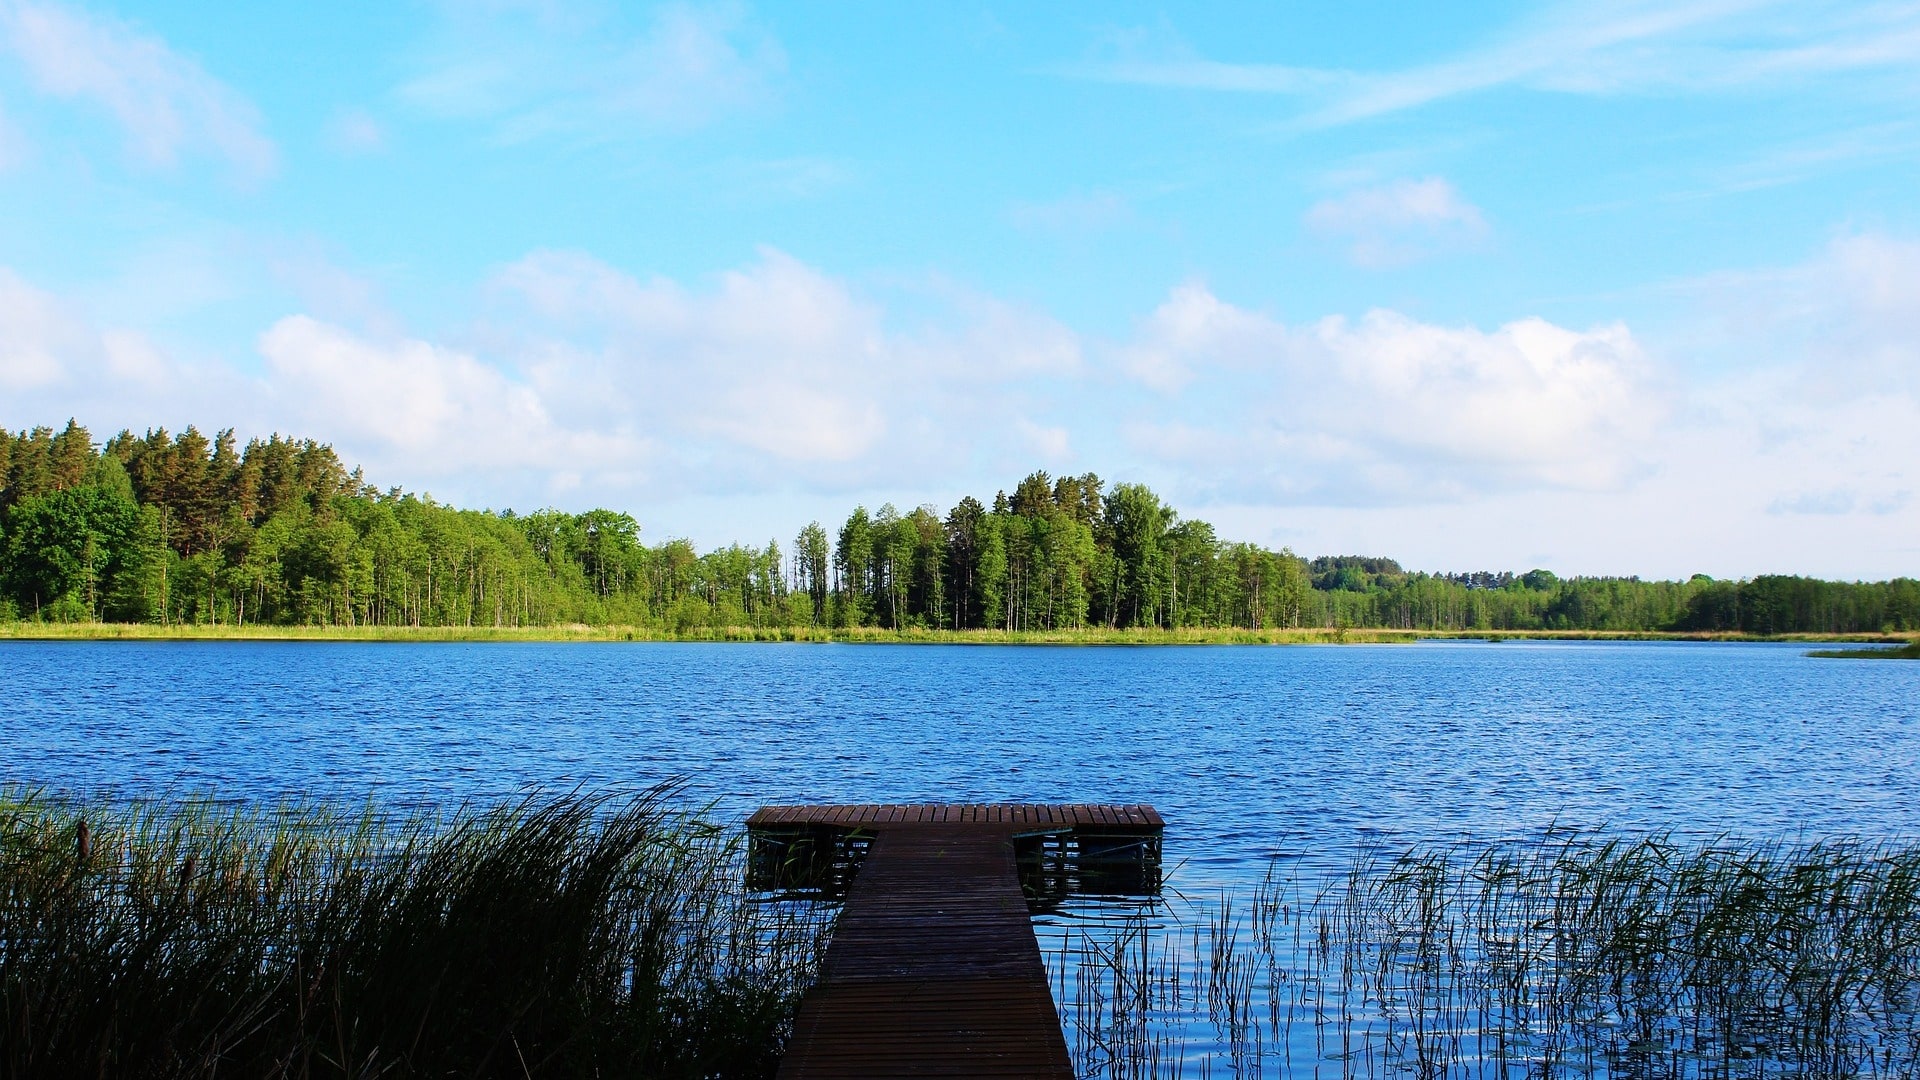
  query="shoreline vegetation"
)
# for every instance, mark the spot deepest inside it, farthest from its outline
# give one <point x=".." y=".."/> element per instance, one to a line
<point x="585" y="934"/>
<point x="1904" y="645"/>
<point x="1908" y="651"/>
<point x="1572" y="954"/>
<point x="165" y="531"/>
<point x="561" y="935"/>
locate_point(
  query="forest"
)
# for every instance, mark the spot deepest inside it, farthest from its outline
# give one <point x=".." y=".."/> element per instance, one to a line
<point x="182" y="529"/>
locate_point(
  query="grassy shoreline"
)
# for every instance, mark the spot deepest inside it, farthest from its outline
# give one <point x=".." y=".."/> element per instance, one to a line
<point x="559" y="935"/>
<point x="51" y="631"/>
<point x="1909" y="651"/>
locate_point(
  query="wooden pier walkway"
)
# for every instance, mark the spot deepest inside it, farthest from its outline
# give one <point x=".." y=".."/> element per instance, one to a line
<point x="933" y="969"/>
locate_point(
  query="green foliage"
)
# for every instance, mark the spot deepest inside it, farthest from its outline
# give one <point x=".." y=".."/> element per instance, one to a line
<point x="77" y="554"/>
<point x="189" y="530"/>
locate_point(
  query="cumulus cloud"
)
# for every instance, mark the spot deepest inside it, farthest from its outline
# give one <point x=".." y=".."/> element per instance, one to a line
<point x="56" y="361"/>
<point x="772" y="359"/>
<point x="584" y="382"/>
<point x="1530" y="400"/>
<point x="421" y="405"/>
<point x="777" y="369"/>
<point x="1387" y="407"/>
<point x="1194" y="329"/>
<point x="165" y="103"/>
<point x="1397" y="223"/>
<point x="48" y="347"/>
<point x="1781" y="440"/>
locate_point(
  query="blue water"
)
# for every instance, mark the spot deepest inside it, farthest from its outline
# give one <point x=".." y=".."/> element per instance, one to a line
<point x="1248" y="751"/>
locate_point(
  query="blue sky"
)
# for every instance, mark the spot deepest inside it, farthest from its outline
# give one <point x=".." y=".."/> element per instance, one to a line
<point x="1606" y="288"/>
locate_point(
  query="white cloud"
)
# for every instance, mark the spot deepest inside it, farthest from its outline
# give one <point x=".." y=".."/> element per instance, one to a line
<point x="803" y="177"/>
<point x="1194" y="329"/>
<point x="693" y="64"/>
<point x="49" y="348"/>
<point x="1829" y="501"/>
<point x="1389" y="408"/>
<point x="1843" y="324"/>
<point x="1398" y="222"/>
<point x="331" y="292"/>
<point x="1086" y="212"/>
<point x="355" y="132"/>
<point x="13" y="144"/>
<point x="1530" y="402"/>
<point x="534" y="74"/>
<point x="57" y="362"/>
<point x="1622" y="47"/>
<point x="1587" y="451"/>
<point x="418" y="406"/>
<point x="777" y="369"/>
<point x="1873" y="284"/>
<point x="779" y="385"/>
<point x="165" y="103"/>
<point x="986" y="340"/>
<point x="36" y="333"/>
<point x="1157" y="56"/>
<point x="1049" y="444"/>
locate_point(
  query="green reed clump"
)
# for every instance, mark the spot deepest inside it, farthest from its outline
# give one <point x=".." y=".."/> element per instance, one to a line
<point x="1909" y="651"/>
<point x="1573" y="955"/>
<point x="559" y="936"/>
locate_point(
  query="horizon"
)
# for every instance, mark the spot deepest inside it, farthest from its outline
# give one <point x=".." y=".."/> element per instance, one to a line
<point x="1610" y="290"/>
<point x="395" y="491"/>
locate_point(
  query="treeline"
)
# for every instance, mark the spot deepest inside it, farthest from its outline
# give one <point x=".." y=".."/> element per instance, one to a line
<point x="181" y="528"/>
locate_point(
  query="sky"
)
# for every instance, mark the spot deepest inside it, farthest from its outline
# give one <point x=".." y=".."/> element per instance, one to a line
<point x="1606" y="288"/>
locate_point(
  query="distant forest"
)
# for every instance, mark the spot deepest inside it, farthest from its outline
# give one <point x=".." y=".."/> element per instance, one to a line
<point x="185" y="529"/>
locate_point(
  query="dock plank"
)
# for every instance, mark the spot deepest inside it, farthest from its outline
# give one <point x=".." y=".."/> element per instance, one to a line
<point x="933" y="969"/>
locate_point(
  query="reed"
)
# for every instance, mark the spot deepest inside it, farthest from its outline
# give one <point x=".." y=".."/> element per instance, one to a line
<point x="1570" y="956"/>
<point x="562" y="935"/>
<point x="1909" y="651"/>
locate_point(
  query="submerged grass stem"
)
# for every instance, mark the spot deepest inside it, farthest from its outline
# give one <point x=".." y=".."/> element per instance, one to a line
<point x="1575" y="955"/>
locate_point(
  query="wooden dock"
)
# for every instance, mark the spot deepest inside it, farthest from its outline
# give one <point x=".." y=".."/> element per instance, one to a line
<point x="933" y="969"/>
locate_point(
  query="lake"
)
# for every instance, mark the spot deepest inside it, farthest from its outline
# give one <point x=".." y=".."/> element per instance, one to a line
<point x="1246" y="750"/>
<point x="1305" y="753"/>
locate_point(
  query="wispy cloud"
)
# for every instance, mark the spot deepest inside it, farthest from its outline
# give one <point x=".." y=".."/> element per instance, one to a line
<point x="532" y="74"/>
<point x="355" y="132"/>
<point x="803" y="177"/>
<point x="1084" y="212"/>
<point x="1846" y="322"/>
<point x="13" y="145"/>
<point x="1397" y="223"/>
<point x="165" y="103"/>
<point x="1625" y="47"/>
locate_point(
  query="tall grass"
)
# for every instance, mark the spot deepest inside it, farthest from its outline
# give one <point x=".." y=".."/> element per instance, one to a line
<point x="1909" y="651"/>
<point x="1574" y="956"/>
<point x="560" y="936"/>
